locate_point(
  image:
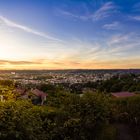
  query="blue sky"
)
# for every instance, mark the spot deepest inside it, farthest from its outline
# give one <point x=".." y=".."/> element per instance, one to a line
<point x="63" y="34"/>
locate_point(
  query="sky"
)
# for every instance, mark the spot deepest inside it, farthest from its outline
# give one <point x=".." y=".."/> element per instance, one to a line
<point x="69" y="34"/>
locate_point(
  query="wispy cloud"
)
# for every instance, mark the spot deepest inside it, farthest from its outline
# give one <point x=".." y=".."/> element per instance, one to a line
<point x="112" y="26"/>
<point x="10" y="23"/>
<point x="117" y="39"/>
<point x="3" y="62"/>
<point x="71" y="15"/>
<point x="127" y="45"/>
<point x="137" y="18"/>
<point x="104" y="11"/>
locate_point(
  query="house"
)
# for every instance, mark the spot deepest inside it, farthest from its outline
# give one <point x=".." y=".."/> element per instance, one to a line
<point x="40" y="95"/>
<point x="122" y="94"/>
<point x="22" y="93"/>
<point x="37" y="96"/>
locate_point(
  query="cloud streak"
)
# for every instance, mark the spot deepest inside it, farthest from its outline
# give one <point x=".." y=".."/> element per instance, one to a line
<point x="3" y="62"/>
<point x="104" y="11"/>
<point x="112" y="26"/>
<point x="137" y="18"/>
<point x="10" y="23"/>
<point x="124" y="45"/>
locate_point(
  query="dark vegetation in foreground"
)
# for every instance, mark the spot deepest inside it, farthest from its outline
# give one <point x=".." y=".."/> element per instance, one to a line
<point x="67" y="116"/>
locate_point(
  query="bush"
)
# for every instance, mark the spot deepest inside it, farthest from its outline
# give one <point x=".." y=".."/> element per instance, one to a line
<point x="74" y="119"/>
<point x="17" y="121"/>
<point x="68" y="117"/>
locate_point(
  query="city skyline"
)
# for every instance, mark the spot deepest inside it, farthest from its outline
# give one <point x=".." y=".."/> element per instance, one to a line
<point x="69" y="34"/>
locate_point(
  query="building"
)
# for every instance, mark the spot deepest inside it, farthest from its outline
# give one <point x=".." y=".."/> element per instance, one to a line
<point x="37" y="96"/>
<point x="122" y="94"/>
<point x="40" y="95"/>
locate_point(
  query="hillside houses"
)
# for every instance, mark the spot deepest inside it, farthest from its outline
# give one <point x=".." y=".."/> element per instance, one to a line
<point x="38" y="97"/>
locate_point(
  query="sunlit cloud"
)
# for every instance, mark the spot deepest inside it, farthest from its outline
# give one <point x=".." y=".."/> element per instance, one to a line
<point x="18" y="62"/>
<point x="115" y="64"/>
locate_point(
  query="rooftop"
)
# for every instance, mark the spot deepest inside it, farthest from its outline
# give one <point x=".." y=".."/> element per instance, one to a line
<point x="123" y="94"/>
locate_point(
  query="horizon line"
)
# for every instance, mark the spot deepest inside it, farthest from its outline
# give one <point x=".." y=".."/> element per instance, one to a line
<point x="68" y="69"/>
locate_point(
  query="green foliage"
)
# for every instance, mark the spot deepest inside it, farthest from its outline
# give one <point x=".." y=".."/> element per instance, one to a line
<point x="126" y="109"/>
<point x="7" y="83"/>
<point x="66" y="116"/>
<point x="126" y="82"/>
<point x="7" y="93"/>
<point x="74" y="118"/>
<point x="17" y="120"/>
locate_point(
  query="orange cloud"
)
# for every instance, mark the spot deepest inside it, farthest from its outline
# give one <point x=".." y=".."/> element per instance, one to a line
<point x="68" y="64"/>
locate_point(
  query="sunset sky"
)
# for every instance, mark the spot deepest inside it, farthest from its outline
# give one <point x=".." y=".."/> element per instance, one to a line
<point x="69" y="34"/>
